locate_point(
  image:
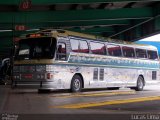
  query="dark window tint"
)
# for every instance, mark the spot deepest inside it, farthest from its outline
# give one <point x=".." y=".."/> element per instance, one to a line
<point x="98" y="48"/>
<point x="152" y="55"/>
<point x="114" y="50"/>
<point x="95" y="74"/>
<point x="36" y="48"/>
<point x="101" y="74"/>
<point x="74" y="45"/>
<point x="128" y="52"/>
<point x="61" y="51"/>
<point x="141" y="53"/>
<point x="83" y="46"/>
<point x="154" y="75"/>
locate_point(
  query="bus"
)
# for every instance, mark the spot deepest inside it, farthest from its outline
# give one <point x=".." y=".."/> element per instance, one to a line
<point x="62" y="59"/>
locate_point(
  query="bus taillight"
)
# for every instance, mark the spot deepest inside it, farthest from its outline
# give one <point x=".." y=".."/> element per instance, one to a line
<point x="27" y="76"/>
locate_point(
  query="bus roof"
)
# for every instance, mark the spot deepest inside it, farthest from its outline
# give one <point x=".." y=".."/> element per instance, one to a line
<point x="99" y="38"/>
<point x="62" y="32"/>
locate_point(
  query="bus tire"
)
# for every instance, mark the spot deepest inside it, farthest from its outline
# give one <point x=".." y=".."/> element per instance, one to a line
<point x="140" y="84"/>
<point x="76" y="83"/>
<point x="113" y="88"/>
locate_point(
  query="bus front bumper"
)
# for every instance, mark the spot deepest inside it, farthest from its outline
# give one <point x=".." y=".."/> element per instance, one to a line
<point x="41" y="84"/>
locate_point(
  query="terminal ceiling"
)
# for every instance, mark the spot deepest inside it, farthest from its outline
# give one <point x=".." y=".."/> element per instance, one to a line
<point x="120" y="19"/>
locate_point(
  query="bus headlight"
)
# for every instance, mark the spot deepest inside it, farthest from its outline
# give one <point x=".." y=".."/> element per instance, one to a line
<point x="40" y="76"/>
<point x="16" y="77"/>
<point x="40" y="68"/>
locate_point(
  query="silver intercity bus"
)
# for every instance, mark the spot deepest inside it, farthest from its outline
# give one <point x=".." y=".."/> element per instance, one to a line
<point x="61" y="59"/>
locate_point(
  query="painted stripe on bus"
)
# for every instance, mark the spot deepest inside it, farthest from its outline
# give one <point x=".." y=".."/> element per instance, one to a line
<point x="109" y="66"/>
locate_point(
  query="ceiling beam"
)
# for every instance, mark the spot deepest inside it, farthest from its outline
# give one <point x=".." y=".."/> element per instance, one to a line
<point x="129" y="5"/>
<point x="102" y="5"/>
<point x="67" y="24"/>
<point x="64" y="24"/>
<point x="76" y="15"/>
<point x="156" y="15"/>
<point x="49" y="2"/>
<point x="73" y="6"/>
<point x="93" y="29"/>
<point x="6" y="37"/>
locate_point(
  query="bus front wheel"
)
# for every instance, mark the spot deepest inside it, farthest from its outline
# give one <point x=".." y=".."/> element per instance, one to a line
<point x="76" y="83"/>
<point x="140" y="84"/>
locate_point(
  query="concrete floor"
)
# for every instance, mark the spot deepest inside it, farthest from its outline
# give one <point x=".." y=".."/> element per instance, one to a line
<point x="123" y="103"/>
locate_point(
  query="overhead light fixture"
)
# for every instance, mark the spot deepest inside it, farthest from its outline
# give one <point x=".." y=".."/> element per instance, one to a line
<point x="32" y="29"/>
<point x="6" y="30"/>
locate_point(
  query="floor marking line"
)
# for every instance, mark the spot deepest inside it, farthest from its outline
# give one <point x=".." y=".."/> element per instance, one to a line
<point x="111" y="102"/>
<point x="96" y="94"/>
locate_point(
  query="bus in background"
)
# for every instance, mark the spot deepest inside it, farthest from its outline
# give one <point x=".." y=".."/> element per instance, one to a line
<point x="61" y="59"/>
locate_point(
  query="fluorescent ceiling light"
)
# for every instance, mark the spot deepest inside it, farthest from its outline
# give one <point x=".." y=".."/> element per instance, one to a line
<point x="6" y="30"/>
<point x="33" y="30"/>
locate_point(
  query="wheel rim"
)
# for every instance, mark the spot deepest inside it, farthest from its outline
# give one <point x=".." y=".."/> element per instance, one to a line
<point x="77" y="84"/>
<point x="140" y="84"/>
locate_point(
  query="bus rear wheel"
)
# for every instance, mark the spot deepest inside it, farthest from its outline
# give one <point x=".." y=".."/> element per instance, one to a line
<point x="76" y="83"/>
<point x="140" y="84"/>
<point x="113" y="88"/>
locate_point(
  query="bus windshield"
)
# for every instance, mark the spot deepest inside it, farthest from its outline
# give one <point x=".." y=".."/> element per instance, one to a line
<point x="36" y="48"/>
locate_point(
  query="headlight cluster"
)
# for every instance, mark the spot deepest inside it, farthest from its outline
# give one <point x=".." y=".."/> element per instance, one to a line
<point x="40" y="76"/>
<point x="40" y="68"/>
<point x="37" y="68"/>
<point x="49" y="68"/>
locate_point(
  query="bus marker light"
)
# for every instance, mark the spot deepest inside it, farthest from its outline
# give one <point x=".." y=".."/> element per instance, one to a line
<point x="35" y="35"/>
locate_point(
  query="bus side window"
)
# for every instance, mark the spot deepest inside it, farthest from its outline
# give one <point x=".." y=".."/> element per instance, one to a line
<point x="114" y="50"/>
<point x="98" y="48"/>
<point x="141" y="53"/>
<point x="61" y="51"/>
<point x="152" y="55"/>
<point x="128" y="52"/>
